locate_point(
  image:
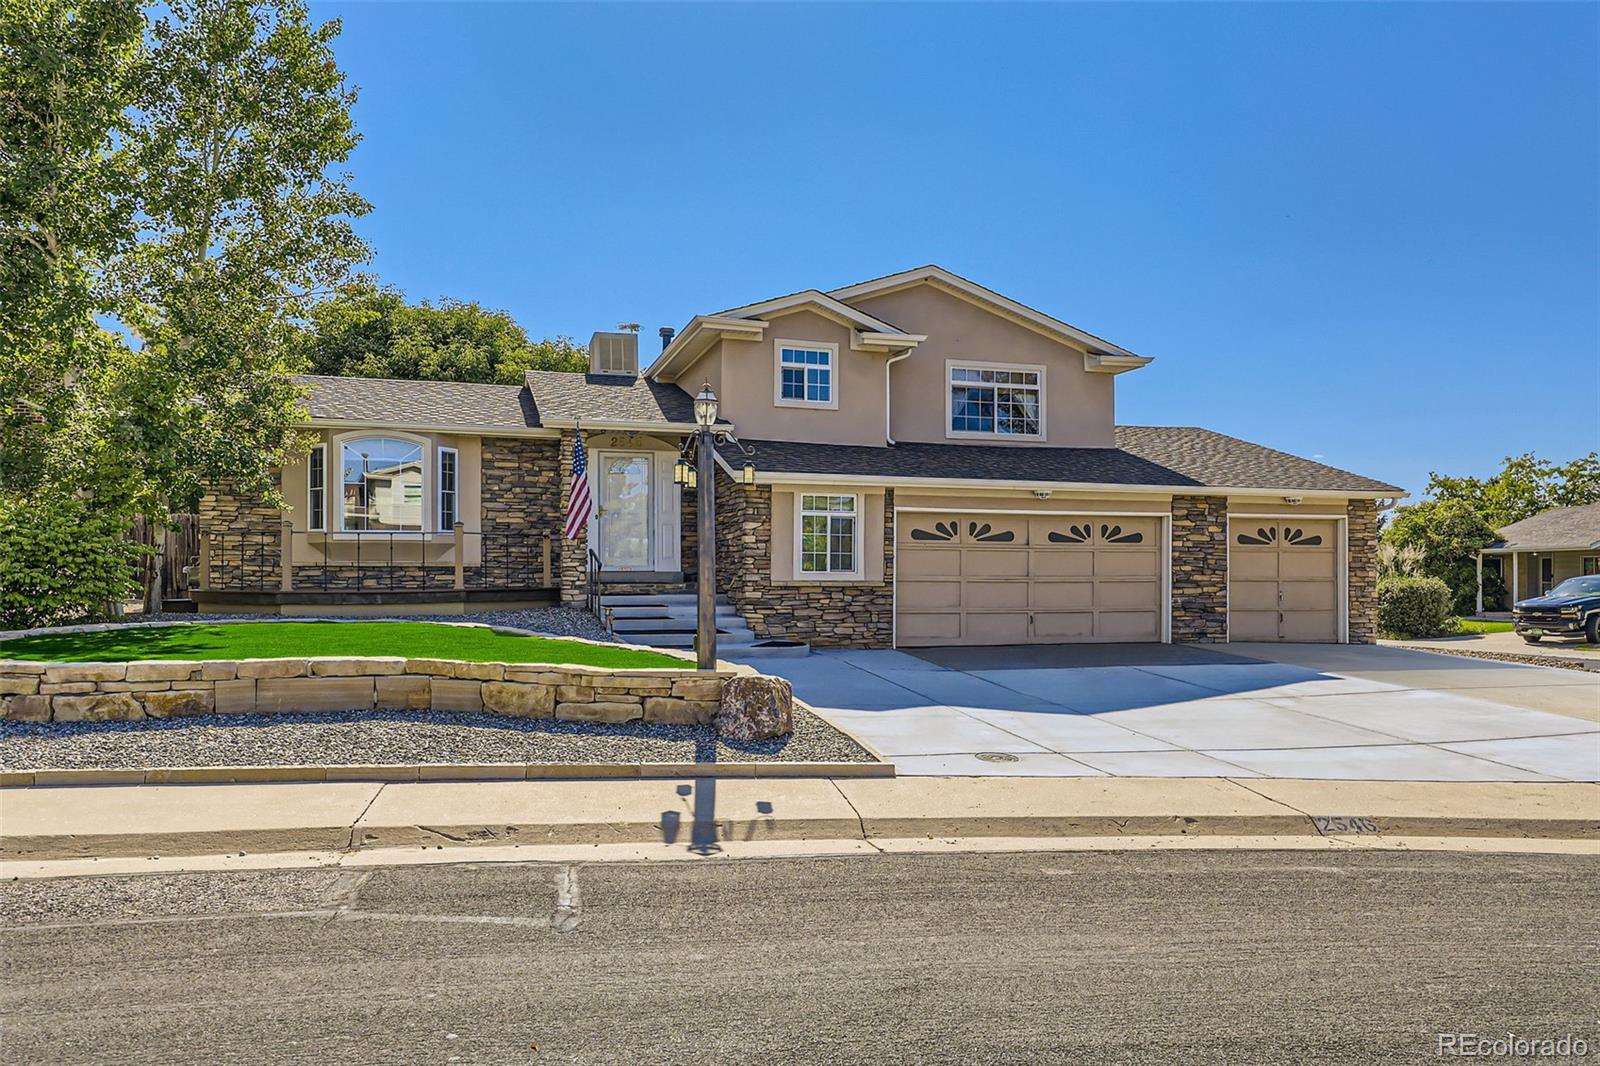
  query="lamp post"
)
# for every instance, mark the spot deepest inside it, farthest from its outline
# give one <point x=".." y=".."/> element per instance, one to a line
<point x="705" y="641"/>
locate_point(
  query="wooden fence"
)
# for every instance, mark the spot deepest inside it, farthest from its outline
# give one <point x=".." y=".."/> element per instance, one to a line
<point x="182" y="552"/>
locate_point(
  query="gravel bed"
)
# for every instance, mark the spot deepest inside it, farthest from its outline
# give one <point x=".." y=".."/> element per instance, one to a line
<point x="1561" y="662"/>
<point x="550" y="621"/>
<point x="365" y="737"/>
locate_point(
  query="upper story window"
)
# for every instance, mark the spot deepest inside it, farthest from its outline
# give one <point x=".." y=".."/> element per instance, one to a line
<point x="996" y="400"/>
<point x="381" y="484"/>
<point x="828" y="535"/>
<point x="805" y="374"/>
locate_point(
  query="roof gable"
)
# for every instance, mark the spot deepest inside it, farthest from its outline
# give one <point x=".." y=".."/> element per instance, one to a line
<point x="1562" y="527"/>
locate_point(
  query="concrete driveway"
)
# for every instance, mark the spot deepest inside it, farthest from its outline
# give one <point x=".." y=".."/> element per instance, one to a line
<point x="1307" y="710"/>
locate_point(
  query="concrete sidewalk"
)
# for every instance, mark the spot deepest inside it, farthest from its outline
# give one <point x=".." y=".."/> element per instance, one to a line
<point x="57" y="823"/>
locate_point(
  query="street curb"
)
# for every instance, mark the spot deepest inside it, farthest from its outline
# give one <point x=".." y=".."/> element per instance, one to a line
<point x="397" y="773"/>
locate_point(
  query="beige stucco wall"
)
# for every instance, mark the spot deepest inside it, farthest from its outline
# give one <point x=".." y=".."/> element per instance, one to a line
<point x="1079" y="409"/>
<point x="744" y="375"/>
<point x="315" y="548"/>
<point x="1563" y="565"/>
<point x="1014" y="500"/>
<point x="1274" y="505"/>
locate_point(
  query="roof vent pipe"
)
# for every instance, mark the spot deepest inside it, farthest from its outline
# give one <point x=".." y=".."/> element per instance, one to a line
<point x="667" y="333"/>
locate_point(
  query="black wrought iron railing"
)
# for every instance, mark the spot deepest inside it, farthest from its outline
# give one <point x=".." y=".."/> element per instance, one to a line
<point x="264" y="560"/>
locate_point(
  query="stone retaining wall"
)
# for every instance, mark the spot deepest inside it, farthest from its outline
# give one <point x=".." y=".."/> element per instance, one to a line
<point x="103" y="692"/>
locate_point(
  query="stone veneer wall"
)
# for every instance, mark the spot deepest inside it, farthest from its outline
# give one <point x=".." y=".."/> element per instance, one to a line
<point x="101" y="692"/>
<point x="839" y="614"/>
<point x="572" y="556"/>
<point x="246" y="551"/>
<point x="1199" y="569"/>
<point x="1362" y="568"/>
<point x="521" y="494"/>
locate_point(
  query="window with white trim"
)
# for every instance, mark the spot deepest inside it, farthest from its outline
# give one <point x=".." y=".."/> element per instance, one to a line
<point x="828" y="534"/>
<point x="996" y="401"/>
<point x="1591" y="565"/>
<point x="805" y="375"/>
<point x="381" y="484"/>
<point x="449" y="489"/>
<point x="317" y="488"/>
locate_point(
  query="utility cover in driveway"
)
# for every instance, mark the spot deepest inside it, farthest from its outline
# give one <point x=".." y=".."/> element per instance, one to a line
<point x="1026" y="579"/>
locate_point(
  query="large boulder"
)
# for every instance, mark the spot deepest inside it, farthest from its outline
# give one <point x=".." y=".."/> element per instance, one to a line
<point x="755" y="708"/>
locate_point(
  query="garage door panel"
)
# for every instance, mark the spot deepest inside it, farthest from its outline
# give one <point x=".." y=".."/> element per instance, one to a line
<point x="1063" y="625"/>
<point x="912" y="628"/>
<point x="1124" y="595"/>
<point x="1253" y="566"/>
<point x="1309" y="596"/>
<point x="989" y="562"/>
<point x="1253" y="596"/>
<point x="997" y="628"/>
<point x="982" y="529"/>
<point x="1078" y="563"/>
<point x="1128" y="625"/>
<point x="1252" y="625"/>
<point x="1060" y="532"/>
<point x="1306" y="566"/>
<point x="1127" y="531"/>
<point x="1063" y="595"/>
<point x="927" y="529"/>
<point x="1309" y="625"/>
<point x="930" y="595"/>
<point x="988" y="595"/>
<point x="1124" y="564"/>
<point x="928" y="562"/>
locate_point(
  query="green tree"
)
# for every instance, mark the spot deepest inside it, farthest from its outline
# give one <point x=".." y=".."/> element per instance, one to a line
<point x="368" y="330"/>
<point x="1525" y="486"/>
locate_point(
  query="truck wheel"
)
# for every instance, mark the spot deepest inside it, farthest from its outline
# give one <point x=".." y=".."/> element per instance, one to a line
<point x="1591" y="632"/>
<point x="1530" y="638"/>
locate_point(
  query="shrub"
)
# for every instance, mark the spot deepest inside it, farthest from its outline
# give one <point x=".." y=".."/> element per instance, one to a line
<point x="1413" y="606"/>
<point x="60" y="561"/>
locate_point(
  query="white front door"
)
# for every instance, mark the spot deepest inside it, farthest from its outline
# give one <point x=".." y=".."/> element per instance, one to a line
<point x="624" y="513"/>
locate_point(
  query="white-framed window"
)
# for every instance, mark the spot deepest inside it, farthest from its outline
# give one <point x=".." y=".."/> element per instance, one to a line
<point x="805" y="374"/>
<point x="317" y="488"/>
<point x="1591" y="565"/>
<point x="380" y="480"/>
<point x="827" y="541"/>
<point x="449" y="489"/>
<point x="997" y="400"/>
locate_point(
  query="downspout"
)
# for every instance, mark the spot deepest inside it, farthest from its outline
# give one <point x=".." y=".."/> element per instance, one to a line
<point x="888" y="408"/>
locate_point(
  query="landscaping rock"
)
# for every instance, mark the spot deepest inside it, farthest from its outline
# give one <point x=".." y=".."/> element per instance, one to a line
<point x="575" y="693"/>
<point x="160" y="671"/>
<point x="457" y="695"/>
<point x="272" y="668"/>
<point x="218" y="671"/>
<point x="755" y="708"/>
<point x="71" y="672"/>
<point x="18" y="686"/>
<point x="672" y="711"/>
<point x="600" y="712"/>
<point x="236" y="697"/>
<point x="297" y="695"/>
<point x="697" y="688"/>
<point x="26" y="709"/>
<point x="102" y="707"/>
<point x="481" y="671"/>
<point x="179" y="703"/>
<point x="366" y="666"/>
<point x="519" y="701"/>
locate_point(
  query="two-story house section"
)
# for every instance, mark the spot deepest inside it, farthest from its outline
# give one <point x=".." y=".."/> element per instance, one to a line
<point x="934" y="464"/>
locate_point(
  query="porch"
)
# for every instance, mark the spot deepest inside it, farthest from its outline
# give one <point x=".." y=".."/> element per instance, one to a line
<point x="1526" y="574"/>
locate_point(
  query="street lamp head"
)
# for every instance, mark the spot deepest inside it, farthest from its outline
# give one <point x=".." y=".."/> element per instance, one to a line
<point x="705" y="407"/>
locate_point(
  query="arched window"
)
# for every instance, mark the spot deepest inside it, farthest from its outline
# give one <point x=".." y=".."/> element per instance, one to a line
<point x="380" y="481"/>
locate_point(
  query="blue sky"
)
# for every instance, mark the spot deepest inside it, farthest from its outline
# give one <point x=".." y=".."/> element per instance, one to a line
<point x="1365" y="233"/>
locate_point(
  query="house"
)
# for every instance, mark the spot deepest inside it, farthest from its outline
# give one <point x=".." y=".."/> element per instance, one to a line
<point x="1536" y="554"/>
<point x="934" y="463"/>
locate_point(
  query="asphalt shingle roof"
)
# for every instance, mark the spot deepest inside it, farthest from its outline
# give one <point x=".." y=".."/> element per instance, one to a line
<point x="1563" y="527"/>
<point x="1179" y="456"/>
<point x="607" y="398"/>
<point x="418" y="403"/>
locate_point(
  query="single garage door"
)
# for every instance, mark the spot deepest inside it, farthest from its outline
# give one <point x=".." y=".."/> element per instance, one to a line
<point x="1025" y="579"/>
<point x="1283" y="581"/>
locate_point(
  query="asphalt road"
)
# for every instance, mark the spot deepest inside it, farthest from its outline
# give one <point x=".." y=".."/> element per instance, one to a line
<point x="1158" y="957"/>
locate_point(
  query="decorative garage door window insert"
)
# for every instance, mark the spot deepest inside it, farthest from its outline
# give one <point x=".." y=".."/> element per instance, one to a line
<point x="828" y="535"/>
<point x="805" y="375"/>
<point x="382" y="484"/>
<point x="995" y="401"/>
<point x="1292" y="537"/>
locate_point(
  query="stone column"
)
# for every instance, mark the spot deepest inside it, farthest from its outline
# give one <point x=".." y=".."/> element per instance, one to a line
<point x="1361" y="568"/>
<point x="1199" y="569"/>
<point x="572" y="555"/>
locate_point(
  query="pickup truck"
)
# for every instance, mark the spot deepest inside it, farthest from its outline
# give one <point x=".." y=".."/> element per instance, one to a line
<point x="1571" y="609"/>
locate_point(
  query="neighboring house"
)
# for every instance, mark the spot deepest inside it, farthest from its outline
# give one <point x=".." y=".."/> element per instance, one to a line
<point x="934" y="464"/>
<point x="1536" y="554"/>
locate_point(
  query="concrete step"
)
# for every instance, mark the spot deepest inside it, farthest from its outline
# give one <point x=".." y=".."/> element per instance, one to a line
<point x="666" y="599"/>
<point x="654" y="610"/>
<point x="672" y="625"/>
<point x="732" y="638"/>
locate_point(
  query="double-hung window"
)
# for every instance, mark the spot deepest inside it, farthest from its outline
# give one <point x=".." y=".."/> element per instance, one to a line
<point x="828" y="534"/>
<point x="805" y="375"/>
<point x="317" y="488"/>
<point x="993" y="400"/>
<point x="449" y="491"/>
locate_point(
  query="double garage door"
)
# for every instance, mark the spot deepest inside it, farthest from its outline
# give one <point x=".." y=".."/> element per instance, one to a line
<point x="1022" y="579"/>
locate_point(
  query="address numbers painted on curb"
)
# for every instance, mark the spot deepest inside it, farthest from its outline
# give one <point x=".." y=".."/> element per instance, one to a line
<point x="1339" y="823"/>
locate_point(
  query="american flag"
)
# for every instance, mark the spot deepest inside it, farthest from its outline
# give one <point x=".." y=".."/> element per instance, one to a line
<point x="580" y="504"/>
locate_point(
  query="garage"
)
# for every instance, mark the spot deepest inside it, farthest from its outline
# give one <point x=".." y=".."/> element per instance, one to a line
<point x="1283" y="579"/>
<point x="983" y="578"/>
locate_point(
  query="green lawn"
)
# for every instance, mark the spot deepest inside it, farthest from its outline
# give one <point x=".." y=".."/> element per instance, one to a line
<point x="1473" y="625"/>
<point x="287" y="640"/>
